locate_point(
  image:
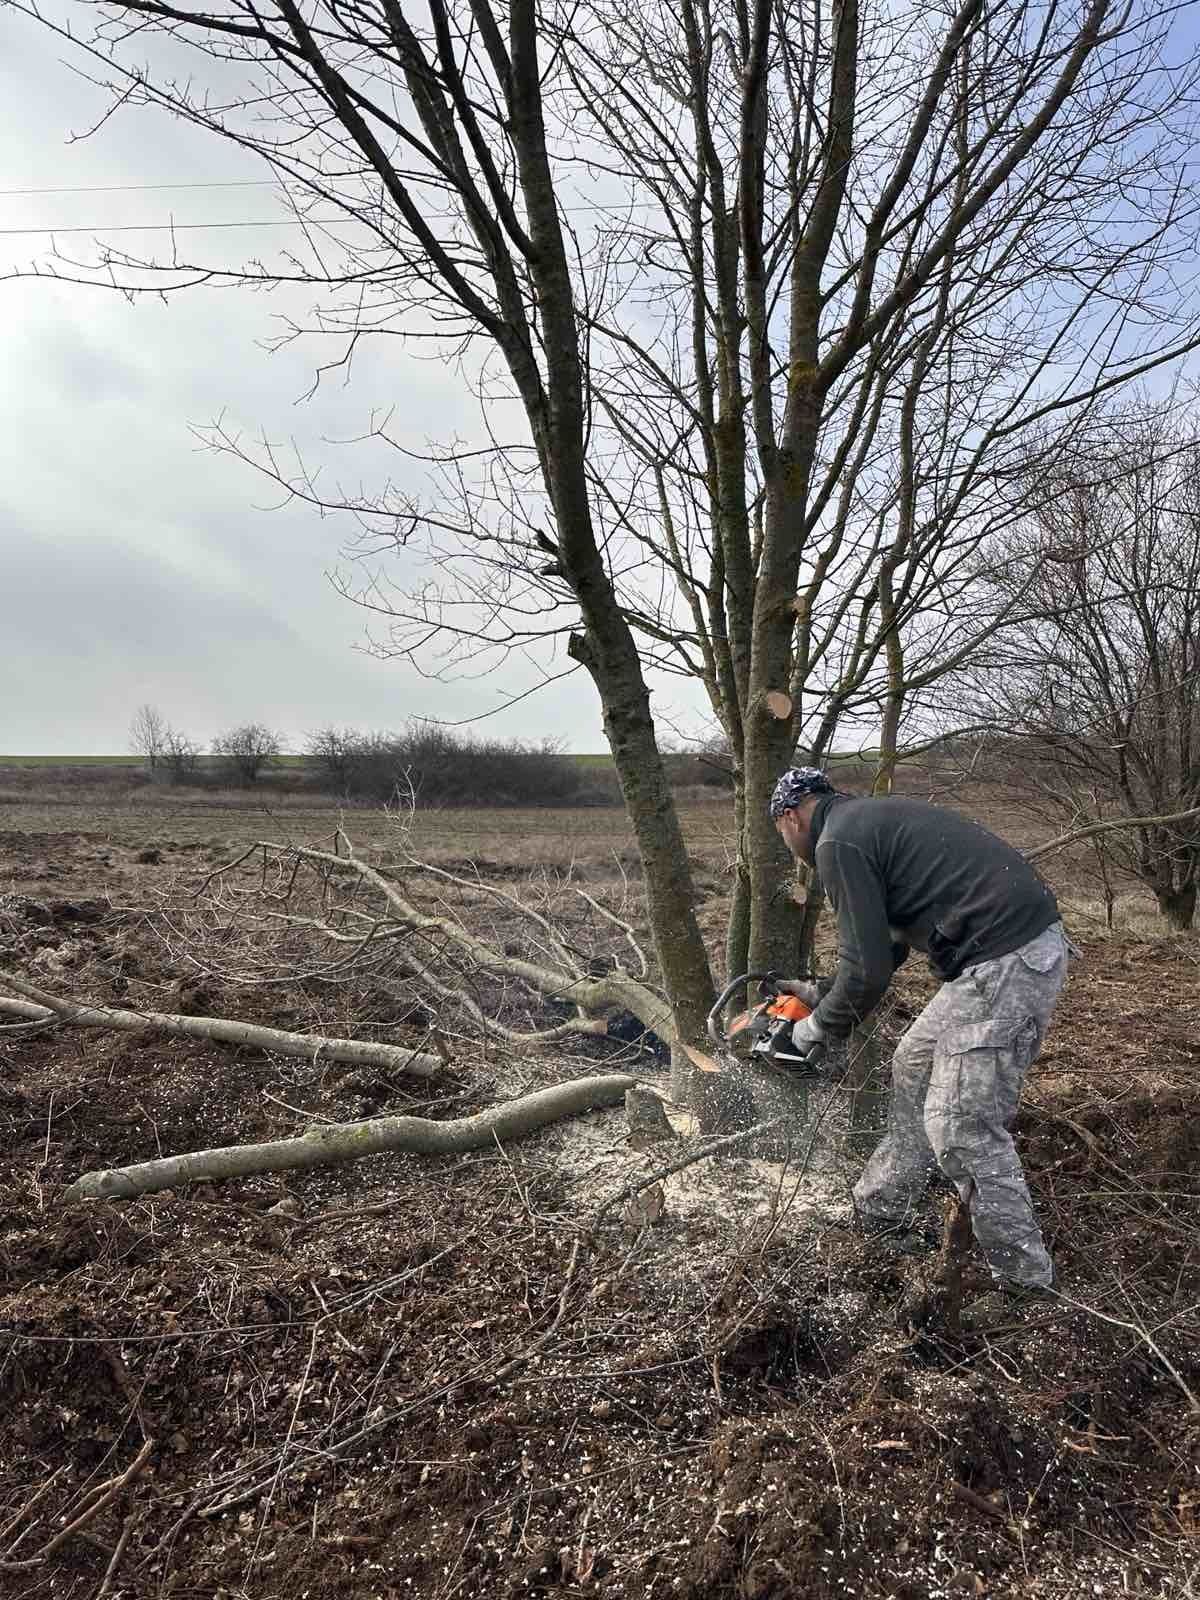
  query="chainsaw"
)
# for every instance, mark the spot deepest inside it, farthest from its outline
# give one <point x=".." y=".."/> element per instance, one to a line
<point x="768" y="1025"/>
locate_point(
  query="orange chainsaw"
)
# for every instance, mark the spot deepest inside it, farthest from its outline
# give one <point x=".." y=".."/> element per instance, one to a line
<point x="768" y="1024"/>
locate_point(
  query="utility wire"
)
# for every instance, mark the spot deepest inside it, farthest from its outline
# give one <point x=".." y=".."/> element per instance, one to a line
<point x="187" y="227"/>
<point x="182" y="227"/>
<point x="120" y="188"/>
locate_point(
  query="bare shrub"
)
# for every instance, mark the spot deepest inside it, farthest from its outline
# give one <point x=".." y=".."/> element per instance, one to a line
<point x="703" y="763"/>
<point x="437" y="766"/>
<point x="244" y="753"/>
<point x="179" y="758"/>
<point x="330" y="752"/>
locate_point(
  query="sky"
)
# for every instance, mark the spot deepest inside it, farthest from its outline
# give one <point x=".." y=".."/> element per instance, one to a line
<point x="136" y="566"/>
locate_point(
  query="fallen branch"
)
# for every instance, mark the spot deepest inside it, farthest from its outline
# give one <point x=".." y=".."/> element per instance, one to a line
<point x="93" y="1505"/>
<point x="41" y="1006"/>
<point x="560" y="977"/>
<point x="101" y="1502"/>
<point x="38" y="1495"/>
<point x="111" y="1571"/>
<point x="331" y="1143"/>
<point x="1193" y="1401"/>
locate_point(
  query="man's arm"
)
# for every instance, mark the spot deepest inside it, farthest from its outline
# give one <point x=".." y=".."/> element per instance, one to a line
<point x="865" y="951"/>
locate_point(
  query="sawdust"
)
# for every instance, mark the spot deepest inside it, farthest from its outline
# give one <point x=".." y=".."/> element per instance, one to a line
<point x="810" y="1190"/>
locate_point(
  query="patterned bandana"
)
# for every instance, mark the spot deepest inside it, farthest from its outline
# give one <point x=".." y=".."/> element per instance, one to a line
<point x="795" y="786"/>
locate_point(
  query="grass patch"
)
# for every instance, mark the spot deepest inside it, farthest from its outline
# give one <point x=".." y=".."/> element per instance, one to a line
<point x="70" y="761"/>
<point x="126" y="761"/>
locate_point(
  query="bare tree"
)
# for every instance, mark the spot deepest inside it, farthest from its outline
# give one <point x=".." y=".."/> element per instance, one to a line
<point x="888" y="277"/>
<point x="246" y="752"/>
<point x="430" y="131"/>
<point x="811" y="246"/>
<point x="147" y="733"/>
<point x="1098" y="698"/>
<point x="331" y="750"/>
<point x="180" y="756"/>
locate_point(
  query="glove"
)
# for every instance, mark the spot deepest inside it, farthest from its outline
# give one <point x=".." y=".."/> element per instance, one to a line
<point x="806" y="989"/>
<point x="808" y="1040"/>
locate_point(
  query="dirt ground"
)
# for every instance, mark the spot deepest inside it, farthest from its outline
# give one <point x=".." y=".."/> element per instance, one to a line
<point x="433" y="1377"/>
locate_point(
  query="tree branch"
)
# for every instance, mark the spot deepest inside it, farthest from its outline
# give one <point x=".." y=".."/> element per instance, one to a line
<point x="332" y="1143"/>
<point x="45" y="1007"/>
<point x="1094" y="828"/>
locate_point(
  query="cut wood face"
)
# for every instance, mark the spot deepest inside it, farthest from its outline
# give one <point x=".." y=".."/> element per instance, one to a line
<point x="700" y="1061"/>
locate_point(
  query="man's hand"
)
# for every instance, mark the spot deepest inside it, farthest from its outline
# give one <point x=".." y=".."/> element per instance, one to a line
<point x="808" y="1040"/>
<point x="806" y="989"/>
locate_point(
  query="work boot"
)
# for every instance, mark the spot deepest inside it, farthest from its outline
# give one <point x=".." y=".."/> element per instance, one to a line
<point x="1007" y="1305"/>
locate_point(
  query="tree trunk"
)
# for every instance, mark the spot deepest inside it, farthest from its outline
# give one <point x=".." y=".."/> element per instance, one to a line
<point x="889" y="740"/>
<point x="741" y="1095"/>
<point x="670" y="890"/>
<point x="737" y="932"/>
<point x="559" y="418"/>
<point x="810" y="916"/>
<point x="775" y="916"/>
<point x="1178" y="906"/>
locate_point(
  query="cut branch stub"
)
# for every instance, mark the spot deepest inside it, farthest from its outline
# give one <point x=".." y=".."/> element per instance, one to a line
<point x="647" y="1118"/>
<point x="777" y="704"/>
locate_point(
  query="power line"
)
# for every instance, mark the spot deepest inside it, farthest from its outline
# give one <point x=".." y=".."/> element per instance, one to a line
<point x="266" y="222"/>
<point x="121" y="188"/>
<point x="184" y="227"/>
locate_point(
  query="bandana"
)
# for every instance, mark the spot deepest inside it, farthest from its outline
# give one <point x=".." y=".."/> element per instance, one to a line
<point x="795" y="786"/>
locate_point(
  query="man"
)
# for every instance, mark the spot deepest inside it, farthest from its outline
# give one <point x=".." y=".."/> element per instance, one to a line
<point x="902" y="873"/>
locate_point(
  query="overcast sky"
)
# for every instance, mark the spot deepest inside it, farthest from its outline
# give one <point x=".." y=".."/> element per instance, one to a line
<point x="137" y="566"/>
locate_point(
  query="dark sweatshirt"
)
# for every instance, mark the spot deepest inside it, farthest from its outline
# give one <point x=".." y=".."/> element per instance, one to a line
<point x="902" y="870"/>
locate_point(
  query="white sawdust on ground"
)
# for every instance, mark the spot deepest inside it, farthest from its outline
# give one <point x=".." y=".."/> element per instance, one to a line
<point x="806" y="1191"/>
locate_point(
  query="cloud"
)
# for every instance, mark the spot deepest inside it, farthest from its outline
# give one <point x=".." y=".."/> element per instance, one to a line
<point x="137" y="565"/>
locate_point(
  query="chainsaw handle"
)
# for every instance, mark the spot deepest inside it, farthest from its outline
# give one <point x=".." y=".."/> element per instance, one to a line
<point x="715" y="1031"/>
<point x="791" y="985"/>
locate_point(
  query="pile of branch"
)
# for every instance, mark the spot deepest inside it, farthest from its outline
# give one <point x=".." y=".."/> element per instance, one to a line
<point x="363" y="924"/>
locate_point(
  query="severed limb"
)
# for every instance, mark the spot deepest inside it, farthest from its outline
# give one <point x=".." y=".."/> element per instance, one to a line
<point x="332" y="1143"/>
<point x="376" y="930"/>
<point x="42" y="1007"/>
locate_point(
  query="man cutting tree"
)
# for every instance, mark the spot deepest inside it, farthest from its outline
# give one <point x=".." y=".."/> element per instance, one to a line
<point x="900" y="873"/>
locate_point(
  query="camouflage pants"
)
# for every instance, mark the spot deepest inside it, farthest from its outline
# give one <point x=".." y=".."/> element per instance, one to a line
<point x="956" y="1083"/>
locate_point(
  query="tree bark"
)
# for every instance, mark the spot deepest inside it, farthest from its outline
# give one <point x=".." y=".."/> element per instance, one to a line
<point x="331" y="1144"/>
<point x="810" y="916"/>
<point x="737" y="932"/>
